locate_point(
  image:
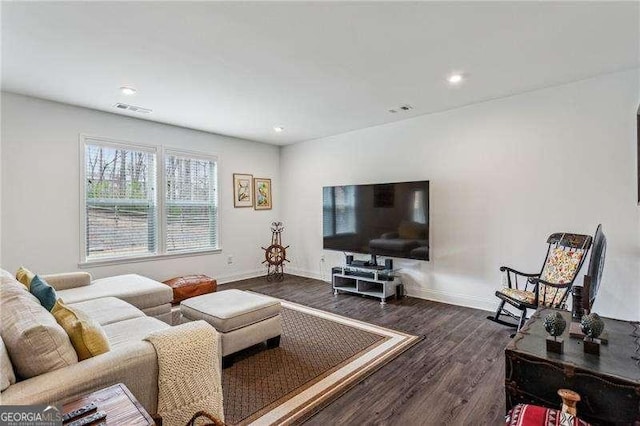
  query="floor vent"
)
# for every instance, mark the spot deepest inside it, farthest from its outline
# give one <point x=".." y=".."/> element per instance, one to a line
<point x="132" y="108"/>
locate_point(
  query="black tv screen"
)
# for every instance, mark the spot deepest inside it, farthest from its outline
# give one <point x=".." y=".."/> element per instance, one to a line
<point x="389" y="219"/>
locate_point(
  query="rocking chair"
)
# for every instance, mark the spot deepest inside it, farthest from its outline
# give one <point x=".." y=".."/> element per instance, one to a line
<point x="550" y="287"/>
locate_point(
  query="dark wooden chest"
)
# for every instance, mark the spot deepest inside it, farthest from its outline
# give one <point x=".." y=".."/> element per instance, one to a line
<point x="609" y="384"/>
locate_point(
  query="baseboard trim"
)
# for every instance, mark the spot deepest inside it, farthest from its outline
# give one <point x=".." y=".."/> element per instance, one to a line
<point x="224" y="279"/>
<point x="307" y="274"/>
<point x="482" y="303"/>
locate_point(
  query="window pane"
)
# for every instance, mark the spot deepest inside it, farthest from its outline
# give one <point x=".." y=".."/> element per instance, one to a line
<point x="339" y="210"/>
<point x="191" y="210"/>
<point x="419" y="213"/>
<point x="328" y="216"/>
<point x="120" y="202"/>
<point x="345" y="205"/>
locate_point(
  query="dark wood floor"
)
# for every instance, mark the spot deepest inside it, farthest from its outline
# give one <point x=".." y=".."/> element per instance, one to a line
<point x="454" y="376"/>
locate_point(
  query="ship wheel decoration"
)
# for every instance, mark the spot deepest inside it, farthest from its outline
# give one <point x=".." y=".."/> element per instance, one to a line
<point x="276" y="254"/>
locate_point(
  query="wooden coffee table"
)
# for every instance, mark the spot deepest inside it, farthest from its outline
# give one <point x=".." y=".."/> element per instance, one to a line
<point x="121" y="406"/>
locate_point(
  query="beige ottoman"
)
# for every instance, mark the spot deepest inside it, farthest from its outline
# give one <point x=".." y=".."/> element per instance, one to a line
<point x="243" y="319"/>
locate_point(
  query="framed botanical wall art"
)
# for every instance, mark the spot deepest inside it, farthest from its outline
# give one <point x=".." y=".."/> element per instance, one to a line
<point x="262" y="188"/>
<point x="242" y="190"/>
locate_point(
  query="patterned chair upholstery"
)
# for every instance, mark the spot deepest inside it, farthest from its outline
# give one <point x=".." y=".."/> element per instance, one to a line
<point x="550" y="287"/>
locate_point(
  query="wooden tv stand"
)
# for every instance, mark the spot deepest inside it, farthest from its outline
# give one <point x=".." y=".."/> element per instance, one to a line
<point x="379" y="283"/>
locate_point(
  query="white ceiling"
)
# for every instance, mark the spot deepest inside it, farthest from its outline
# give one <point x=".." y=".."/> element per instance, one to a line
<point x="315" y="68"/>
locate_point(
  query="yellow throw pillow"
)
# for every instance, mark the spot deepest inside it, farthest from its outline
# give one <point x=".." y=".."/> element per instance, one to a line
<point x="24" y="276"/>
<point x="86" y="335"/>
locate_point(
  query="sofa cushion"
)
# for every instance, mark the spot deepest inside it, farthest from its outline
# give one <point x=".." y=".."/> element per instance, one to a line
<point x="132" y="330"/>
<point x="6" y="274"/>
<point x="24" y="276"/>
<point x="43" y="292"/>
<point x="68" y="280"/>
<point x="230" y="309"/>
<point x="35" y="341"/>
<point x="86" y="335"/>
<point x="140" y="291"/>
<point x="107" y="310"/>
<point x="7" y="376"/>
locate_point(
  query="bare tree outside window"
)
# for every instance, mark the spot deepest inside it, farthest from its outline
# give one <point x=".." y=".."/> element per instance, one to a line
<point x="190" y="203"/>
<point x="120" y="202"/>
<point x="121" y="211"/>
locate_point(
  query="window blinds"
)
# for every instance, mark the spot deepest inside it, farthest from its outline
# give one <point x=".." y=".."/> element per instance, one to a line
<point x="328" y="212"/>
<point x="126" y="217"/>
<point x="191" y="209"/>
<point x="345" y="205"/>
<point x="120" y="201"/>
<point x="339" y="210"/>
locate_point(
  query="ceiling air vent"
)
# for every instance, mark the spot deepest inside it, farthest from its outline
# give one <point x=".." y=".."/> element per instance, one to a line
<point x="401" y="108"/>
<point x="132" y="108"/>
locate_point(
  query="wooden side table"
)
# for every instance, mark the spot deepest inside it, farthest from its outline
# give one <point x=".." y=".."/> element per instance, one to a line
<point x="121" y="406"/>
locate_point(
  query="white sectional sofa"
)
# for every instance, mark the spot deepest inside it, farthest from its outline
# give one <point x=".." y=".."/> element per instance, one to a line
<point x="151" y="297"/>
<point x="131" y="360"/>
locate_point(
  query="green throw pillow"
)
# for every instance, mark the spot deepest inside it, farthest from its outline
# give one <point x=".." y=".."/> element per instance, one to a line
<point x="44" y="292"/>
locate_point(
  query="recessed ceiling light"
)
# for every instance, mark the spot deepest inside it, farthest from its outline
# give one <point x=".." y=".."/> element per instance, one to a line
<point x="278" y="129"/>
<point x="455" y="78"/>
<point x="126" y="90"/>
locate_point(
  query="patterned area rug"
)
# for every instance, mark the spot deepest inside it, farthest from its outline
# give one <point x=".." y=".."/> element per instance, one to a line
<point x="321" y="355"/>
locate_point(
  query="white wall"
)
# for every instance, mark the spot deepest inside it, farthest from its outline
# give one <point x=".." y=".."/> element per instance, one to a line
<point x="0" y="187"/>
<point x="504" y="175"/>
<point x="40" y="190"/>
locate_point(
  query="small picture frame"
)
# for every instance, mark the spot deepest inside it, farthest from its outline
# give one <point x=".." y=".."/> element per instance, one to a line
<point x="262" y="193"/>
<point x="242" y="190"/>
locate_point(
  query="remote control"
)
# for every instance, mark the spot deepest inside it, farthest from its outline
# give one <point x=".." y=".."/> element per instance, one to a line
<point x="89" y="419"/>
<point x="79" y="412"/>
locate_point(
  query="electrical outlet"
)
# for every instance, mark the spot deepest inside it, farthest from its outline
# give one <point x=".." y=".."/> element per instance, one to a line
<point x="229" y="260"/>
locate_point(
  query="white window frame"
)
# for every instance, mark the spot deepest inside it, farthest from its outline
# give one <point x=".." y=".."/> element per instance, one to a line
<point x="159" y="151"/>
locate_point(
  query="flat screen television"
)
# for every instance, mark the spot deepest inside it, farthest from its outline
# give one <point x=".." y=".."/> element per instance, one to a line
<point x="387" y="219"/>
